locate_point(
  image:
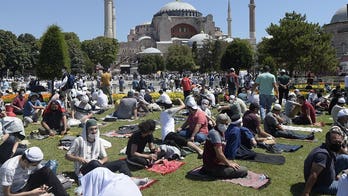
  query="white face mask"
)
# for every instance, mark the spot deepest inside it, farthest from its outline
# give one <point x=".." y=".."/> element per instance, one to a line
<point x="222" y="127"/>
<point x="204" y="107"/>
<point x="91" y="136"/>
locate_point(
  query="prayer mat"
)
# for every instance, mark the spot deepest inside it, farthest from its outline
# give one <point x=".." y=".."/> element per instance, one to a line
<point x="165" y="167"/>
<point x="266" y="158"/>
<point x="298" y="128"/>
<point x="127" y="129"/>
<point x="286" y="147"/>
<point x="252" y="180"/>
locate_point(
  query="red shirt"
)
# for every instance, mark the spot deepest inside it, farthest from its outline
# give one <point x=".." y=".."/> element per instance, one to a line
<point x="198" y="118"/>
<point x="19" y="102"/>
<point x="186" y="84"/>
<point x="307" y="106"/>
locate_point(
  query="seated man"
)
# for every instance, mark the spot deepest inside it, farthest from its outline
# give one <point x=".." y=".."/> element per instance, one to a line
<point x="324" y="163"/>
<point x="137" y="142"/>
<point x="23" y="175"/>
<point x="169" y="136"/>
<point x="32" y="109"/>
<point x="12" y="131"/>
<point x="253" y="122"/>
<point x="214" y="161"/>
<point x="164" y="99"/>
<point x="81" y="110"/>
<point x="53" y="120"/>
<point x="336" y="108"/>
<point x="127" y="109"/>
<point x="307" y="114"/>
<point x="195" y="128"/>
<point x="87" y="151"/>
<point x="18" y="102"/>
<point x="239" y="142"/>
<point x="273" y="125"/>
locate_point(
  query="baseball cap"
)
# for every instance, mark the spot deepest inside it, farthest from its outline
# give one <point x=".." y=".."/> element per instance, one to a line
<point x="192" y="103"/>
<point x="282" y="71"/>
<point x="231" y="69"/>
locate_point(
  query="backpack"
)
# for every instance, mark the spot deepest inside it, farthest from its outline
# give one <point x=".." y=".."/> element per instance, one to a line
<point x="71" y="81"/>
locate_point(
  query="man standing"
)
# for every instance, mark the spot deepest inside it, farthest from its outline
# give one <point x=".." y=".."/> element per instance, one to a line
<point x="186" y="85"/>
<point x="283" y="83"/>
<point x="267" y="85"/>
<point x="106" y="84"/>
<point x="232" y="82"/>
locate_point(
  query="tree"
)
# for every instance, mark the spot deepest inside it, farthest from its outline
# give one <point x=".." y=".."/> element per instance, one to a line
<point x="54" y="55"/>
<point x="101" y="50"/>
<point x="179" y="58"/>
<point x="150" y="63"/>
<point x="297" y="45"/>
<point x="31" y="47"/>
<point x="78" y="59"/>
<point x="12" y="53"/>
<point x="238" y="54"/>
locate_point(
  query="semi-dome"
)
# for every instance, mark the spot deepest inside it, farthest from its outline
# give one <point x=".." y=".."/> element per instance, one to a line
<point x="199" y="39"/>
<point x="340" y="15"/>
<point x="151" y="51"/>
<point x="178" y="8"/>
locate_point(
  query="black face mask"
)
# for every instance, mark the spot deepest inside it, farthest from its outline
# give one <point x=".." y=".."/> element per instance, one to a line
<point x="335" y="147"/>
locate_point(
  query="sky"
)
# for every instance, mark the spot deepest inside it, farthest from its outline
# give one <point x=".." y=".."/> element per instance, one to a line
<point x="86" y="17"/>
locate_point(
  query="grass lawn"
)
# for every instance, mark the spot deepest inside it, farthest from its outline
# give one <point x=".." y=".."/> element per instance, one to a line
<point x="286" y="179"/>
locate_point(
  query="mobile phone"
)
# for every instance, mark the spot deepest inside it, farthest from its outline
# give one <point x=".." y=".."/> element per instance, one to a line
<point x="48" y="189"/>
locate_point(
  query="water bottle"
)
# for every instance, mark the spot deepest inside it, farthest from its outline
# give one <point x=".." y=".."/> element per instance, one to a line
<point x="262" y="177"/>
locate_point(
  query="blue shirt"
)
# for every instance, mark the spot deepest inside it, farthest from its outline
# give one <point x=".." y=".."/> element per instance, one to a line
<point x="28" y="109"/>
<point x="236" y="136"/>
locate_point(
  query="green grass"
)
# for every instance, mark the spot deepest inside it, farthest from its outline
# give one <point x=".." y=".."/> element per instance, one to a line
<point x="286" y="179"/>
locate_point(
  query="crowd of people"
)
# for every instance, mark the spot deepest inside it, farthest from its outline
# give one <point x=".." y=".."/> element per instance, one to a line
<point x="250" y="113"/>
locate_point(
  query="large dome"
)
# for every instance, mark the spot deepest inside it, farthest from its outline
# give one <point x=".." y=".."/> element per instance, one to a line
<point x="177" y="5"/>
<point x="174" y="8"/>
<point x="340" y="15"/>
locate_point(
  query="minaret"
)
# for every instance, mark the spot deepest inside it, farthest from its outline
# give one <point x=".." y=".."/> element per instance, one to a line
<point x="113" y="21"/>
<point x="108" y="27"/>
<point x="229" y="20"/>
<point x="252" y="34"/>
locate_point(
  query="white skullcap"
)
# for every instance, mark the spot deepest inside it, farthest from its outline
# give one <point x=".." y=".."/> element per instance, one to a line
<point x="34" y="154"/>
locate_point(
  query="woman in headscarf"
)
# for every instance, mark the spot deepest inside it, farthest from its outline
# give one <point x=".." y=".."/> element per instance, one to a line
<point x="88" y="152"/>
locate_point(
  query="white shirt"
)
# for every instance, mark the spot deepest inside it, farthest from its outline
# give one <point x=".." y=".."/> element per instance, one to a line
<point x="102" y="100"/>
<point x="12" y="174"/>
<point x="164" y="98"/>
<point x="167" y="121"/>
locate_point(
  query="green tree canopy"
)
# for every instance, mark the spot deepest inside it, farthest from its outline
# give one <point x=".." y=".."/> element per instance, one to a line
<point x="54" y="55"/>
<point x="101" y="50"/>
<point x="297" y="45"/>
<point x="150" y="63"/>
<point x="12" y="53"/>
<point x="179" y="58"/>
<point x="238" y="54"/>
<point x="78" y="59"/>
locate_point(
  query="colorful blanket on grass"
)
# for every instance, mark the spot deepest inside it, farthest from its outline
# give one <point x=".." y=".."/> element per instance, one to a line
<point x="166" y="167"/>
<point x="252" y="180"/>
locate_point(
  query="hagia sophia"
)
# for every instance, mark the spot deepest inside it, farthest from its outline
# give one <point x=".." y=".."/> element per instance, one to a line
<point x="178" y="22"/>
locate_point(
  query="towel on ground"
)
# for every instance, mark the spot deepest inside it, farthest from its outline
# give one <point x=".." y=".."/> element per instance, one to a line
<point x="252" y="180"/>
<point x="165" y="167"/>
